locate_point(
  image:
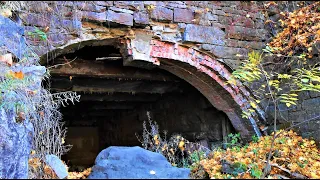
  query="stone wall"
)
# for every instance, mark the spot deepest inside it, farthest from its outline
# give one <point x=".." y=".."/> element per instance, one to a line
<point x="308" y="105"/>
<point x="218" y="35"/>
<point x="224" y="30"/>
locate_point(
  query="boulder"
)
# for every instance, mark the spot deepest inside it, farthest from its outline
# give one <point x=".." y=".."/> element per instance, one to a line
<point x="57" y="166"/>
<point x="134" y="162"/>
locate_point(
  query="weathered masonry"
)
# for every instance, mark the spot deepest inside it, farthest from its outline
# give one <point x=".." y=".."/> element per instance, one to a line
<point x="196" y="41"/>
<point x="163" y="52"/>
<point x="170" y="58"/>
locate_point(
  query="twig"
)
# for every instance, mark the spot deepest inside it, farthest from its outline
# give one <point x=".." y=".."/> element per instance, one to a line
<point x="267" y="168"/>
<point x="67" y="61"/>
<point x="54" y="66"/>
<point x="281" y="176"/>
<point x="294" y="174"/>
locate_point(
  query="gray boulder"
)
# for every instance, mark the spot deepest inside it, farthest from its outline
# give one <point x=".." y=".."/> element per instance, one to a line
<point x="133" y="163"/>
<point x="57" y="165"/>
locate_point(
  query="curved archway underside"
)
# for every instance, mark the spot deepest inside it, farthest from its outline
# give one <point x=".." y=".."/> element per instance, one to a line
<point x="203" y="72"/>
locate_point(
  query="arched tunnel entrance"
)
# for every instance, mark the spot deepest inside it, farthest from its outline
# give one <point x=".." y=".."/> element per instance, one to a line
<point x="115" y="100"/>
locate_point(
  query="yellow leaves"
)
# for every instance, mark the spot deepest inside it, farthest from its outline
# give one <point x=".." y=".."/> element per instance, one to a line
<point x="181" y="145"/>
<point x="254" y="105"/>
<point x="314" y="175"/>
<point x="62" y="140"/>
<point x="79" y="175"/>
<point x="301" y="31"/>
<point x="287" y="154"/>
<point x="312" y="142"/>
<point x="156" y="140"/>
<point x="151" y="7"/>
<point x="164" y="148"/>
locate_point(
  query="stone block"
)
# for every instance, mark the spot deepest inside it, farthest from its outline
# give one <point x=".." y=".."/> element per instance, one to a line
<point x="248" y="44"/>
<point x="35" y="19"/>
<point x="58" y="39"/>
<point x="298" y="116"/>
<point x="115" y="9"/>
<point x="183" y="15"/>
<point x="94" y="16"/>
<point x="104" y="3"/>
<point x="89" y="7"/>
<point x="211" y="17"/>
<point x="38" y="7"/>
<point x="162" y="14"/>
<point x="120" y="18"/>
<point x="228" y="20"/>
<point x="243" y="33"/>
<point x="141" y="18"/>
<point x="176" y="4"/>
<point x="203" y="34"/>
<point x="311" y="103"/>
<point x="232" y="43"/>
<point x="227" y="52"/>
<point x="218" y="12"/>
<point x="233" y="10"/>
<point x="314" y="94"/>
<point x="71" y="25"/>
<point x="218" y="25"/>
<point x="233" y="63"/>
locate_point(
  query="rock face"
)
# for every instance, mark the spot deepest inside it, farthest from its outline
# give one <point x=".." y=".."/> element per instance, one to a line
<point x="134" y="162"/>
<point x="15" y="141"/>
<point x="15" y="138"/>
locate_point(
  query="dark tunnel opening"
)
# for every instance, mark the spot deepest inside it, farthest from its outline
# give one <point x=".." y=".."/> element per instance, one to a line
<point x="115" y="100"/>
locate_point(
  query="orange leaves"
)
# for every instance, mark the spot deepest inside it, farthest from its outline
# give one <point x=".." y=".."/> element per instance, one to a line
<point x="291" y="152"/>
<point x="34" y="163"/>
<point x="48" y="171"/>
<point x="301" y="31"/>
<point x="79" y="175"/>
<point x="17" y="75"/>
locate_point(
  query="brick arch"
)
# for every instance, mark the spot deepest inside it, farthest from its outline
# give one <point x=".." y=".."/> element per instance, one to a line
<point x="199" y="69"/>
<point x="206" y="74"/>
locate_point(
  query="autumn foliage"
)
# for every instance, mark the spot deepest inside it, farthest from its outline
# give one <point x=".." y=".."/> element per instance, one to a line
<point x="301" y="31"/>
<point x="79" y="175"/>
<point x="293" y="157"/>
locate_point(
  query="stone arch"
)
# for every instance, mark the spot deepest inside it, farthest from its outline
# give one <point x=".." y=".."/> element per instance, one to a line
<point x="204" y="73"/>
<point x="199" y="69"/>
